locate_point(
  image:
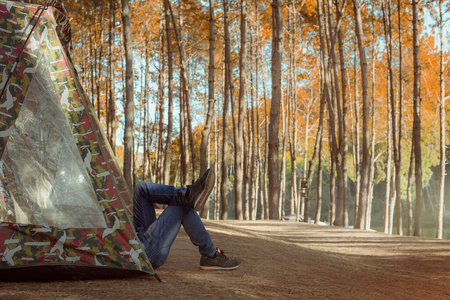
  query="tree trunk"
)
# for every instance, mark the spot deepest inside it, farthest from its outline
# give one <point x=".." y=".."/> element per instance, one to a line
<point x="211" y="102"/>
<point x="254" y="132"/>
<point x="129" y="103"/>
<point x="357" y="148"/>
<point x="259" y="160"/>
<point x="227" y="94"/>
<point x="111" y="116"/>
<point x="283" y="164"/>
<point x="158" y="170"/>
<point x="319" y="187"/>
<point x="247" y="168"/>
<point x="168" y="153"/>
<point x="147" y="143"/>
<point x="319" y="140"/>
<point x="266" y="154"/>
<point x="408" y="193"/>
<point x="218" y="171"/>
<point x="335" y="113"/>
<point x="239" y="118"/>
<point x="440" y="202"/>
<point x="274" y="186"/>
<point x="292" y="127"/>
<point x="342" y="118"/>
<point x="400" y="114"/>
<point x="416" y="123"/>
<point x="361" y="220"/>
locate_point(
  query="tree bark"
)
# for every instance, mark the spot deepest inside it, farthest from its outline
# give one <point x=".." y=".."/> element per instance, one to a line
<point x="129" y="103"/>
<point x="416" y="123"/>
<point x="408" y="193"/>
<point x="283" y="164"/>
<point x="361" y="220"/>
<point x="342" y="118"/>
<point x="319" y="187"/>
<point x="211" y="102"/>
<point x="442" y="147"/>
<point x="111" y="116"/>
<point x="240" y="115"/>
<point x="168" y="152"/>
<point x="319" y="140"/>
<point x="357" y="147"/>
<point x="227" y="95"/>
<point x="277" y="37"/>
<point x="400" y="114"/>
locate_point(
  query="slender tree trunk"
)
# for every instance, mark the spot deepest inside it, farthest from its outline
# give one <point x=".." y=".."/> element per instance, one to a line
<point x="159" y="166"/>
<point x="319" y="187"/>
<point x="129" y="103"/>
<point x="211" y="100"/>
<point x="112" y="67"/>
<point x="416" y="126"/>
<point x="247" y="169"/>
<point x="323" y="95"/>
<point x="147" y="144"/>
<point x="335" y="114"/>
<point x="227" y="95"/>
<point x="99" y="67"/>
<point x="274" y="186"/>
<point x="372" y="145"/>
<point x="283" y="164"/>
<point x="440" y="202"/>
<point x="239" y="117"/>
<point x="259" y="160"/>
<point x="266" y="154"/>
<point x="91" y="51"/>
<point x="168" y="153"/>
<point x="364" y="184"/>
<point x="218" y="170"/>
<point x="387" y="196"/>
<point x="342" y="118"/>
<point x="357" y="150"/>
<point x="400" y="114"/>
<point x="408" y="192"/>
<point x="253" y="132"/>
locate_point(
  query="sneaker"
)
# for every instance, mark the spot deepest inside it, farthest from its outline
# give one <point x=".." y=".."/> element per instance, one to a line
<point x="219" y="262"/>
<point x="198" y="193"/>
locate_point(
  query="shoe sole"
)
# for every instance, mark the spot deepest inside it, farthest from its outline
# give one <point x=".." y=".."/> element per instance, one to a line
<point x="209" y="184"/>
<point x="211" y="268"/>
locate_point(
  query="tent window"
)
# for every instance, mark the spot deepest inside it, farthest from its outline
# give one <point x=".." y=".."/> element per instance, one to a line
<point x="44" y="180"/>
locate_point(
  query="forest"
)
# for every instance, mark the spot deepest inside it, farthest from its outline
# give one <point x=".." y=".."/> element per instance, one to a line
<point x="327" y="111"/>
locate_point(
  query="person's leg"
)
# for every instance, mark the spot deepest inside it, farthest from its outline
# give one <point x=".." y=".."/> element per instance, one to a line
<point x="161" y="234"/>
<point x="196" y="231"/>
<point x="157" y="235"/>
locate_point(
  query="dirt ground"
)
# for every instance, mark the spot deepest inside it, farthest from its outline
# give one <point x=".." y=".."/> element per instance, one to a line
<point x="280" y="260"/>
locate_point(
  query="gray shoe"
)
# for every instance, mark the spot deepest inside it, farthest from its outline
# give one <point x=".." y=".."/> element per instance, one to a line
<point x="198" y="193"/>
<point x="218" y="262"/>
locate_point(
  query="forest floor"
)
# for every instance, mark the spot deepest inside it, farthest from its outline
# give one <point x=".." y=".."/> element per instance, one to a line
<point x="280" y="260"/>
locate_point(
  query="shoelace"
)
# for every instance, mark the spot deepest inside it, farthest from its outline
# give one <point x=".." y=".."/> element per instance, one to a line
<point x="221" y="253"/>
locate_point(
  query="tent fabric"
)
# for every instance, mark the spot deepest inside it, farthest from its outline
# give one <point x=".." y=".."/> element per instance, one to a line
<point x="63" y="25"/>
<point x="63" y="199"/>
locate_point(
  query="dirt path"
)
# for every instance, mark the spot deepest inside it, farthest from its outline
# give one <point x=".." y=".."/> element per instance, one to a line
<point x="280" y="260"/>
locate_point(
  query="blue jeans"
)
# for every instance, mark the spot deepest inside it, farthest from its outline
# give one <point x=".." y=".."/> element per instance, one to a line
<point x="157" y="235"/>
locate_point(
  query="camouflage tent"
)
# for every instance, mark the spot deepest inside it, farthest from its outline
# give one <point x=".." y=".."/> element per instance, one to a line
<point x="65" y="209"/>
